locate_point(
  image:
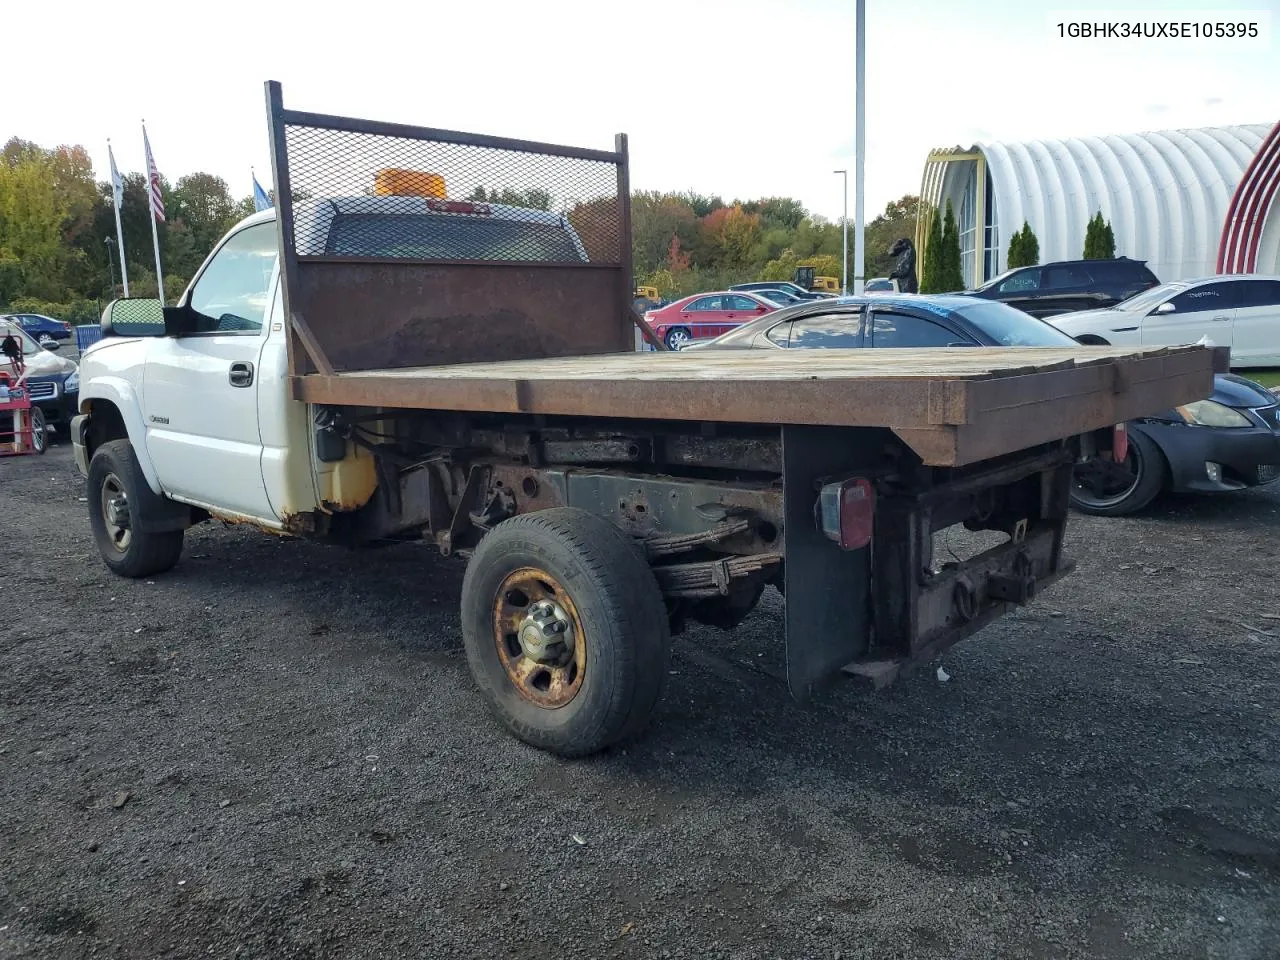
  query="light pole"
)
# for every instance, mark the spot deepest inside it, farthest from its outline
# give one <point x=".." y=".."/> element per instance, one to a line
<point x="859" y="147"/>
<point x="111" y="265"/>
<point x="844" y="222"/>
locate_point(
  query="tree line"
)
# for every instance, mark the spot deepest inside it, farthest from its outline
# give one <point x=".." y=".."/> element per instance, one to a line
<point x="56" y="219"/>
<point x="58" y="246"/>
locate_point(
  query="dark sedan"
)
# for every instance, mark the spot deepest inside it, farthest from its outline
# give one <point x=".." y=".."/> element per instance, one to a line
<point x="1226" y="442"/>
<point x="42" y="328"/>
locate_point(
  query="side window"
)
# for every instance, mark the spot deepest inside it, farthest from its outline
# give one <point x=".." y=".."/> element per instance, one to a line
<point x="233" y="291"/>
<point x="1260" y="293"/>
<point x="1057" y="278"/>
<point x="1026" y="280"/>
<point x="830" y="331"/>
<point x="903" y="330"/>
<point x="740" y="303"/>
<point x="780" y="334"/>
<point x="1212" y="296"/>
<point x="704" y="303"/>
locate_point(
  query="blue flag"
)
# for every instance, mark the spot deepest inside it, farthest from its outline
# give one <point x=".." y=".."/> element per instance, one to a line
<point x="260" y="199"/>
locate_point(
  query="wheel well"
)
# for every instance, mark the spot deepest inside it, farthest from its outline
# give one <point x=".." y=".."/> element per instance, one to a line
<point x="1092" y="340"/>
<point x="105" y="423"/>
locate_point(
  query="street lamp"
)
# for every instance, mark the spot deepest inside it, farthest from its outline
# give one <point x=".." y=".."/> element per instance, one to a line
<point x="844" y="221"/>
<point x="111" y="265"/>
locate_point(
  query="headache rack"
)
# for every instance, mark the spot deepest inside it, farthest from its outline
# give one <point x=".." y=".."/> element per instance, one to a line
<point x="367" y="211"/>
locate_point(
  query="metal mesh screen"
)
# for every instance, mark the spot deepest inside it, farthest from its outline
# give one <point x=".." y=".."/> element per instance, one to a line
<point x="374" y="196"/>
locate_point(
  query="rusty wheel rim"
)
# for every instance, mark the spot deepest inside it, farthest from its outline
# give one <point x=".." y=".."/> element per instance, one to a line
<point x="540" y="640"/>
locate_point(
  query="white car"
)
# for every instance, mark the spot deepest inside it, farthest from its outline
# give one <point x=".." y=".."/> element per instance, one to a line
<point x="881" y="285"/>
<point x="1240" y="311"/>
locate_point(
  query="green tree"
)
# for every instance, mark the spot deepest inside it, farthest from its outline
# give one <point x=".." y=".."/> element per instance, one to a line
<point x="1099" y="239"/>
<point x="32" y="243"/>
<point x="1024" y="248"/>
<point x="951" y="278"/>
<point x="931" y="275"/>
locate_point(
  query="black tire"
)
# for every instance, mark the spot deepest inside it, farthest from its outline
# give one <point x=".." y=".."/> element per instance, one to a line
<point x="598" y="574"/>
<point x="1149" y="470"/>
<point x="677" y="337"/>
<point x="114" y="472"/>
<point x="39" y="433"/>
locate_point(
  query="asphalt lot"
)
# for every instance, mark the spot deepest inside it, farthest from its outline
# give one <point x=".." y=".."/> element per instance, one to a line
<point x="274" y="751"/>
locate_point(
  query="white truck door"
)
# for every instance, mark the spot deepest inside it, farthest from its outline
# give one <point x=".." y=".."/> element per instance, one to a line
<point x="200" y="391"/>
<point x="1257" y="329"/>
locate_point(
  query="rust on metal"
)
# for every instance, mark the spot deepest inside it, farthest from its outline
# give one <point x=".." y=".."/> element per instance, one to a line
<point x="393" y="315"/>
<point x="540" y="638"/>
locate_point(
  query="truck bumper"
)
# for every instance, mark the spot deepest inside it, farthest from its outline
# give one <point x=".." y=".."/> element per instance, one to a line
<point x="80" y="424"/>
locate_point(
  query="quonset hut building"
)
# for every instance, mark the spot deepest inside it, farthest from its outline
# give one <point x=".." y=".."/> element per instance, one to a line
<point x="1188" y="202"/>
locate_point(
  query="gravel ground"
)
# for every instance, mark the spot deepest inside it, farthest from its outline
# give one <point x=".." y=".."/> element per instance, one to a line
<point x="275" y="752"/>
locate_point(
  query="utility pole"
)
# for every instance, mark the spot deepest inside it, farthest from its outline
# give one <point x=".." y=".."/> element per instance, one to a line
<point x="844" y="259"/>
<point x="859" y="147"/>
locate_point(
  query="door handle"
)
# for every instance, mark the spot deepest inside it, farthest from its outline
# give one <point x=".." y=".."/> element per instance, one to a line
<point x="1221" y="319"/>
<point x="241" y="374"/>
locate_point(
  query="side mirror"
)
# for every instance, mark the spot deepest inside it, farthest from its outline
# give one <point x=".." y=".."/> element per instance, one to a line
<point x="762" y="309"/>
<point x="1166" y="307"/>
<point x="133" y="317"/>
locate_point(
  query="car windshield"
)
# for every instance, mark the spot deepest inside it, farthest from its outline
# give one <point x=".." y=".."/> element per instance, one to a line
<point x="1149" y="298"/>
<point x="29" y="346"/>
<point x="995" y="281"/>
<point x="1010" y="327"/>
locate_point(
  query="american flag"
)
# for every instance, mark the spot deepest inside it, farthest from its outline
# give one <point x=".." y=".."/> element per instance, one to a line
<point x="153" y="180"/>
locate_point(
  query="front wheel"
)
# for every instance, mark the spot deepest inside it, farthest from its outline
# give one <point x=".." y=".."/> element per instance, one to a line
<point x="565" y="630"/>
<point x="1107" y="489"/>
<point x="677" y="338"/>
<point x="39" y="431"/>
<point x="115" y="497"/>
<point x="45" y="339"/>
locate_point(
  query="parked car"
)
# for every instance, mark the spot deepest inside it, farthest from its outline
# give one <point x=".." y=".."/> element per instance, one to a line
<point x="53" y="382"/>
<point x="706" y="315"/>
<point x="779" y="297"/>
<point x="886" y="321"/>
<point x="1227" y="442"/>
<point x="879" y="285"/>
<point x="1240" y="311"/>
<point x="44" y="329"/>
<point x="786" y="286"/>
<point x="1048" y="289"/>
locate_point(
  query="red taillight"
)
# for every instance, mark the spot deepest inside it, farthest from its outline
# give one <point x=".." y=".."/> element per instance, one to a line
<point x="846" y="512"/>
<point x="459" y="206"/>
<point x="1120" y="444"/>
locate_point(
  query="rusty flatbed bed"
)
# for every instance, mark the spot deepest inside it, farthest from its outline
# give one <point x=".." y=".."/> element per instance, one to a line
<point x="952" y="406"/>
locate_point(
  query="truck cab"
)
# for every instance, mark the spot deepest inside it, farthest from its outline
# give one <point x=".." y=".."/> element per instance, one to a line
<point x="203" y="394"/>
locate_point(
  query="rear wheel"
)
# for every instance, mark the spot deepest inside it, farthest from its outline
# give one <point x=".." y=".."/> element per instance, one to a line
<point x="677" y="338"/>
<point x="115" y="486"/>
<point x="1107" y="489"/>
<point x="565" y="630"/>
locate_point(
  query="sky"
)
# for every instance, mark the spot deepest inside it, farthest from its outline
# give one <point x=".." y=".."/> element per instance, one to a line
<point x="740" y="98"/>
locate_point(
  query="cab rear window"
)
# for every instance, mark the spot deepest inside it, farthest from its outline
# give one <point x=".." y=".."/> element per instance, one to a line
<point x="444" y="237"/>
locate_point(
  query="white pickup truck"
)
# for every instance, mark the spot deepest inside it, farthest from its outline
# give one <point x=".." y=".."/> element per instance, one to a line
<point x="370" y="363"/>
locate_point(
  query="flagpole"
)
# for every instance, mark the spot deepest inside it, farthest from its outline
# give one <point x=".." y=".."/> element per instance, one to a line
<point x="151" y="202"/>
<point x="116" y="197"/>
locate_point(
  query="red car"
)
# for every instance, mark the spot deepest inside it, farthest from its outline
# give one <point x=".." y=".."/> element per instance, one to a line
<point x="706" y="315"/>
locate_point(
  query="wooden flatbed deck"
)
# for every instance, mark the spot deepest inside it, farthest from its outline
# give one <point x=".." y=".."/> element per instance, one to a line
<point x="952" y="406"/>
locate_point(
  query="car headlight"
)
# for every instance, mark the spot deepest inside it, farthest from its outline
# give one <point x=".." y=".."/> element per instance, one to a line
<point x="72" y="383"/>
<point x="1207" y="413"/>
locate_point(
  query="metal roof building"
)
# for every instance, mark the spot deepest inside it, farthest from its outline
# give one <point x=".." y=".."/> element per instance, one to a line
<point x="1189" y="202"/>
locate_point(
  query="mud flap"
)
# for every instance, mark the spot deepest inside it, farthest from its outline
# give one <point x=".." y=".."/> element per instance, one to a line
<point x="827" y="589"/>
